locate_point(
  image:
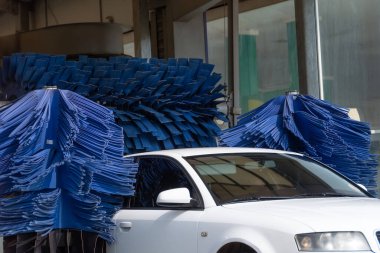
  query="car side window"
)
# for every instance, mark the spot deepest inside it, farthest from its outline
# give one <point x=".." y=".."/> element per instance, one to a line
<point x="157" y="174"/>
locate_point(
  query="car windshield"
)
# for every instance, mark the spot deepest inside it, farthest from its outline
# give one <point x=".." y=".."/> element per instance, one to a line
<point x="264" y="176"/>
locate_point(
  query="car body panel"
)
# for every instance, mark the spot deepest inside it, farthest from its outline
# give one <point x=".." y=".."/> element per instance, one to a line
<point x="267" y="226"/>
<point x="155" y="231"/>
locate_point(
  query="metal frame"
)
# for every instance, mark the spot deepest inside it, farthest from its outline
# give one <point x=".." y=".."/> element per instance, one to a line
<point x="309" y="64"/>
<point x="233" y="59"/>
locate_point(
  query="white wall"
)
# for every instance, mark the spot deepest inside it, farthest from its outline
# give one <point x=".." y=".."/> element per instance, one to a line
<point x="189" y="38"/>
<point x="129" y="43"/>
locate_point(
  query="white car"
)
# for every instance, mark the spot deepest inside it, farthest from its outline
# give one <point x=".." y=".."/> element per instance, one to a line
<point x="244" y="200"/>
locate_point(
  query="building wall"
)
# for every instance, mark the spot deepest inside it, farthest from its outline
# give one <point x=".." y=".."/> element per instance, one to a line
<point x="74" y="11"/>
<point x="83" y="38"/>
<point x="63" y="12"/>
<point x="7" y="24"/>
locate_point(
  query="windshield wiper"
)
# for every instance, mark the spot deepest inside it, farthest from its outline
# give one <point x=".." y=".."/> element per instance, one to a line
<point x="255" y="198"/>
<point x="322" y="194"/>
<point x="302" y="195"/>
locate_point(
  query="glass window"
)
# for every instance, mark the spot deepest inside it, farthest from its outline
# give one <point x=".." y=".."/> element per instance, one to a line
<point x="267" y="52"/>
<point x="241" y="177"/>
<point x="350" y="48"/>
<point x="267" y="49"/>
<point x="217" y="48"/>
<point x="217" y="40"/>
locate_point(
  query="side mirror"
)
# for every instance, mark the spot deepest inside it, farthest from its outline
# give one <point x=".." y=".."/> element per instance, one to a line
<point x="178" y="197"/>
<point x="363" y="187"/>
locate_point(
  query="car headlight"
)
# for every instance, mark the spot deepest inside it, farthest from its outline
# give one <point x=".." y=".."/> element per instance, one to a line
<point x="332" y="241"/>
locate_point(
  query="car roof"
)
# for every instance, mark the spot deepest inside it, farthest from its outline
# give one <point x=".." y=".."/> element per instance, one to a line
<point x="185" y="152"/>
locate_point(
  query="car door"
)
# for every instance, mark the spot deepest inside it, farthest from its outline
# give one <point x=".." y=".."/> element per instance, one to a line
<point x="144" y="227"/>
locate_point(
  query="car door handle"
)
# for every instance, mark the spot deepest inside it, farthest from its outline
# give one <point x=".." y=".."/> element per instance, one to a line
<point x="125" y="224"/>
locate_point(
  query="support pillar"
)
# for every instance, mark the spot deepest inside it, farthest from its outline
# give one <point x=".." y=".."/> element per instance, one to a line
<point x="308" y="47"/>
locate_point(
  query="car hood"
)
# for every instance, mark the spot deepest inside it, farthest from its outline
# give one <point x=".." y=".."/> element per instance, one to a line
<point x="320" y="214"/>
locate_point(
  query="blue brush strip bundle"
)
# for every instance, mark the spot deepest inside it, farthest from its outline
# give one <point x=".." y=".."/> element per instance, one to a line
<point x="61" y="165"/>
<point x="311" y="126"/>
<point x="160" y="104"/>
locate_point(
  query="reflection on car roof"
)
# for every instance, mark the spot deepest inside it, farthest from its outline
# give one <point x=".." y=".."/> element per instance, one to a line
<point x="185" y="152"/>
